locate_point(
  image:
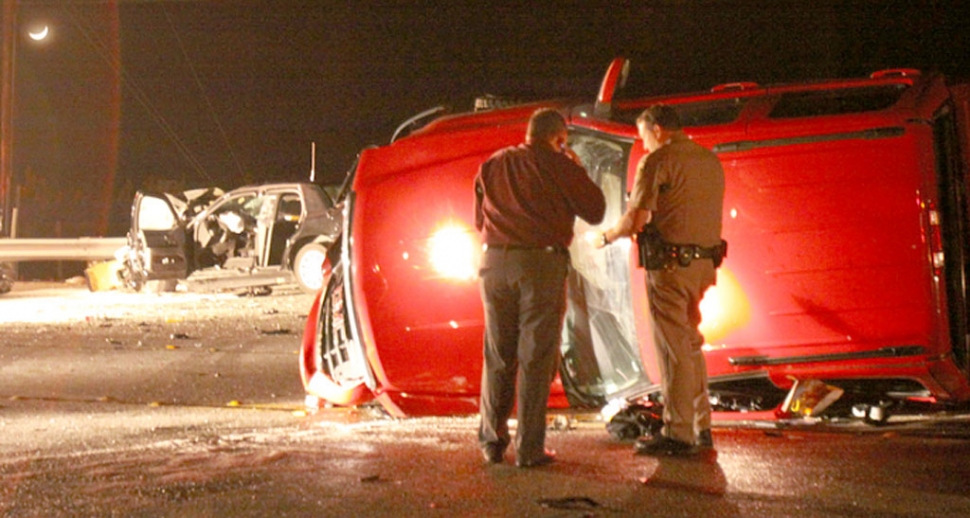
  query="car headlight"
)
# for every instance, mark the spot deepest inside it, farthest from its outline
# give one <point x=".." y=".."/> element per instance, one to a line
<point x="453" y="252"/>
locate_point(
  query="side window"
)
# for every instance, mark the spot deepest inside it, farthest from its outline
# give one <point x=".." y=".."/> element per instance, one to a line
<point x="237" y="204"/>
<point x="290" y="208"/>
<point x="836" y="102"/>
<point x="155" y="214"/>
<point x="239" y="213"/>
<point x="253" y="204"/>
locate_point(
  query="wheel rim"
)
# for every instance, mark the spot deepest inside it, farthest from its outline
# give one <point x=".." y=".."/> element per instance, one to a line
<point x="310" y="269"/>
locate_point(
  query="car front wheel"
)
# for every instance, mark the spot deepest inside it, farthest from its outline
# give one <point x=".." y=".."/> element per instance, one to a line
<point x="308" y="267"/>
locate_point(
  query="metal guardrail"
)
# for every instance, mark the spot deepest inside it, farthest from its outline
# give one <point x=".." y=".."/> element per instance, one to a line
<point x="60" y="249"/>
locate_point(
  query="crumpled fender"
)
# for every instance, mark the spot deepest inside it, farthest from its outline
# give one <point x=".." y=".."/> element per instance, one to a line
<point x="318" y="383"/>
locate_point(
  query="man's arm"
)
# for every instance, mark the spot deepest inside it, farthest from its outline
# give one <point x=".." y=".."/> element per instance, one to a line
<point x="479" y="200"/>
<point x="644" y="190"/>
<point x="584" y="197"/>
<point x="629" y="223"/>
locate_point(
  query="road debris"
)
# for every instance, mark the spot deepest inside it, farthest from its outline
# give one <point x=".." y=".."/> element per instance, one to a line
<point x="569" y="502"/>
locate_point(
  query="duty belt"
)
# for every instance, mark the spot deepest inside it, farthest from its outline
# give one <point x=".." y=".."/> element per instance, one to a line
<point x="684" y="254"/>
<point x="693" y="251"/>
<point x="657" y="254"/>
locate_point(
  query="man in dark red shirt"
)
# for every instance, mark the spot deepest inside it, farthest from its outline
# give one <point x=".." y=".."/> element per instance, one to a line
<point x="526" y="200"/>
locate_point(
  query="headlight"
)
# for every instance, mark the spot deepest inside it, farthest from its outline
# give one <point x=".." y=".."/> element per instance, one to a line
<point x="453" y="252"/>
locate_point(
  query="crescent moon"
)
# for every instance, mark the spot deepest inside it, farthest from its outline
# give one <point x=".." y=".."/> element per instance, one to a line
<point x="39" y="35"/>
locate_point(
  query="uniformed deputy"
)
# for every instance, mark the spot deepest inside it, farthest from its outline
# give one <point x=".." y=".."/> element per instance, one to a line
<point x="679" y="188"/>
<point x="526" y="200"/>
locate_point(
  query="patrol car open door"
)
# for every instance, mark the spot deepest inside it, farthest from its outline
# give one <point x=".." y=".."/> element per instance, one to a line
<point x="156" y="241"/>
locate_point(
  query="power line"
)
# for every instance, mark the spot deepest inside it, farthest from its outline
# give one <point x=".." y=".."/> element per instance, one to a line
<point x="205" y="96"/>
<point x="139" y="94"/>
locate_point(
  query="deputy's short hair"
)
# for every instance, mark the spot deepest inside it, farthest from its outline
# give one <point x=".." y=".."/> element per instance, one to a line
<point x="545" y="123"/>
<point x="664" y="115"/>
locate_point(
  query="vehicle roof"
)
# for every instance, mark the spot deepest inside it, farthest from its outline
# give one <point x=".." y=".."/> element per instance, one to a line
<point x="723" y="113"/>
<point x="625" y="111"/>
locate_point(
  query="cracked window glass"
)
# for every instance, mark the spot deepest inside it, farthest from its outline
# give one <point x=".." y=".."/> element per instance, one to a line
<point x="600" y="352"/>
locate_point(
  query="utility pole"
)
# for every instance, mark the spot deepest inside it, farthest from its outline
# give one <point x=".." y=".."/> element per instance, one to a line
<point x="7" y="64"/>
<point x="313" y="161"/>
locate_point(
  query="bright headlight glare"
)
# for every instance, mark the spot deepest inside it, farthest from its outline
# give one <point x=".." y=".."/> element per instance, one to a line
<point x="724" y="308"/>
<point x="451" y="251"/>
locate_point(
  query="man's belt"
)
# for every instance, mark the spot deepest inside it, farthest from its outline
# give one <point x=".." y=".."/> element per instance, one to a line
<point x="554" y="249"/>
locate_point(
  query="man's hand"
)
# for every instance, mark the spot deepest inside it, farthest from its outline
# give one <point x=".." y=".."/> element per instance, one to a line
<point x="627" y="226"/>
<point x="596" y="239"/>
<point x="568" y="151"/>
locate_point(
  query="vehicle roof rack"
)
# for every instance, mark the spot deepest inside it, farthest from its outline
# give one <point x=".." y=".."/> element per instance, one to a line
<point x="895" y="72"/>
<point x="491" y="102"/>
<point x="740" y="86"/>
<point x="417" y="118"/>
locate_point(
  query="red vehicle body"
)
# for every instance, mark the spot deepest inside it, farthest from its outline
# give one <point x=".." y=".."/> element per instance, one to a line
<point x="845" y="213"/>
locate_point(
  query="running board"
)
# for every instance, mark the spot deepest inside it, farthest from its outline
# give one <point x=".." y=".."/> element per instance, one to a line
<point x="210" y="281"/>
<point x="884" y="352"/>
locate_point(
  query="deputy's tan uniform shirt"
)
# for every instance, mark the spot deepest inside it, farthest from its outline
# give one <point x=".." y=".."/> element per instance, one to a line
<point x="682" y="184"/>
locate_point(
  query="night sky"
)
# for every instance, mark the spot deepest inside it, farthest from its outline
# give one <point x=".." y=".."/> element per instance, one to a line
<point x="179" y="94"/>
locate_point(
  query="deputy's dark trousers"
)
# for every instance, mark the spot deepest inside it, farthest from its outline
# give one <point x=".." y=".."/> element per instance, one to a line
<point x="524" y="295"/>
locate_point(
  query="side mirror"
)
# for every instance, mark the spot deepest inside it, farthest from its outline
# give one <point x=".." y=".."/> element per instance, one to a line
<point x="614" y="80"/>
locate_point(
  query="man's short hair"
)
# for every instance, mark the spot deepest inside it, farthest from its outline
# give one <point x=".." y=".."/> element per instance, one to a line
<point x="544" y="124"/>
<point x="664" y="115"/>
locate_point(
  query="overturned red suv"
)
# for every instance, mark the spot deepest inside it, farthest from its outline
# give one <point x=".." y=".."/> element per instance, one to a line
<point x="846" y="211"/>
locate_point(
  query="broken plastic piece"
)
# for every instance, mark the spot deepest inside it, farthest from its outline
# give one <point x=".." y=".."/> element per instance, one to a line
<point x="637" y="420"/>
<point x="808" y="398"/>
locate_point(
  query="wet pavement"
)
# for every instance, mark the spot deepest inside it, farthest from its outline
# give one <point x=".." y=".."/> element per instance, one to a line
<point x="356" y="463"/>
<point x="167" y="406"/>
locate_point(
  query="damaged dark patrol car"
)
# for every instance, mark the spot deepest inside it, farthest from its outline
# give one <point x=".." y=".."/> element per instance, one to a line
<point x="252" y="237"/>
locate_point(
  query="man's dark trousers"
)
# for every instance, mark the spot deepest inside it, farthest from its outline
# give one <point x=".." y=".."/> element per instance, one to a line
<point x="524" y="295"/>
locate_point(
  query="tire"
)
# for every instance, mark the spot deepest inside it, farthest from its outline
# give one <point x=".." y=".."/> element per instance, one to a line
<point x="308" y="267"/>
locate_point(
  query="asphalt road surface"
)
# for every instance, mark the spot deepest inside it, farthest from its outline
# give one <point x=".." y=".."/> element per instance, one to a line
<point x="177" y="404"/>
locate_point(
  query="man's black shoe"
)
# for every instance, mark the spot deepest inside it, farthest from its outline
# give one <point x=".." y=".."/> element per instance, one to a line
<point x="661" y="445"/>
<point x="547" y="457"/>
<point x="493" y="454"/>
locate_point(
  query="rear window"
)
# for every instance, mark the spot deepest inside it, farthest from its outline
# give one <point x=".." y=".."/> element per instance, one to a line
<point x="836" y="102"/>
<point x="706" y="113"/>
